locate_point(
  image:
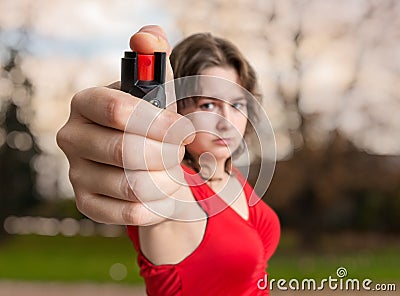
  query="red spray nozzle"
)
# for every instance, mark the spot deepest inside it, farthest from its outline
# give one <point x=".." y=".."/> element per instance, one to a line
<point x="145" y="67"/>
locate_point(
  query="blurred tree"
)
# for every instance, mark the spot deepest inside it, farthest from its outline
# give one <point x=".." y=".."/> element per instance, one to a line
<point x="335" y="189"/>
<point x="18" y="148"/>
<point x="329" y="183"/>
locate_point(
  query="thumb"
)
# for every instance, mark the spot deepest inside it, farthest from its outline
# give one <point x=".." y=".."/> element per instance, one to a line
<point x="152" y="38"/>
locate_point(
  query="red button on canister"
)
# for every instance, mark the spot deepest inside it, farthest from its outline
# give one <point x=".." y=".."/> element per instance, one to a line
<point x="145" y="67"/>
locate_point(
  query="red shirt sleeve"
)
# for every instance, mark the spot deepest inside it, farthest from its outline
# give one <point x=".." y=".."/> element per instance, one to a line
<point x="267" y="223"/>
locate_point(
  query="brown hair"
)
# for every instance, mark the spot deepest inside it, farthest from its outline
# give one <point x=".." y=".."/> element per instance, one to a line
<point x="203" y="50"/>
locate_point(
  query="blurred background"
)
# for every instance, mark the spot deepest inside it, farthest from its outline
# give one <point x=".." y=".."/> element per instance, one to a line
<point x="330" y="74"/>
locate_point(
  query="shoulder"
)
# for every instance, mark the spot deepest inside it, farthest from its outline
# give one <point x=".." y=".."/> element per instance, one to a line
<point x="264" y="215"/>
<point x="266" y="221"/>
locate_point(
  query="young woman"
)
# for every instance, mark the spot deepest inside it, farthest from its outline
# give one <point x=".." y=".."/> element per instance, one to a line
<point x="226" y="251"/>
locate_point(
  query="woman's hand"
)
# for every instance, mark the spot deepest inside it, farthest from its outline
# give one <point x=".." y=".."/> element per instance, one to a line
<point x="108" y="131"/>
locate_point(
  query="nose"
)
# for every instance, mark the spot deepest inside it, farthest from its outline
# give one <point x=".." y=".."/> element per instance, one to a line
<point x="225" y="121"/>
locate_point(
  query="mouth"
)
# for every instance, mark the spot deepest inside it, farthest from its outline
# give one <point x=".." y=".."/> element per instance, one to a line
<point x="223" y="141"/>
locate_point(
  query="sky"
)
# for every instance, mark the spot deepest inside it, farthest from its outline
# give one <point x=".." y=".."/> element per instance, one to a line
<point x="70" y="45"/>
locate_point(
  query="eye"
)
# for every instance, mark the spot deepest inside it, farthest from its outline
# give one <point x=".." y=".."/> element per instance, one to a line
<point x="239" y="106"/>
<point x="207" y="106"/>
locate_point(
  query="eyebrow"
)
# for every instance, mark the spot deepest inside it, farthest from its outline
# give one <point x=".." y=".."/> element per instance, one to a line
<point x="237" y="99"/>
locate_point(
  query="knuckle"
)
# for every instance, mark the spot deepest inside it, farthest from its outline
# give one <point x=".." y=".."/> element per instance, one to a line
<point x="116" y="150"/>
<point x="81" y="203"/>
<point x="76" y="99"/>
<point x="139" y="185"/>
<point x="140" y="191"/>
<point x="111" y="111"/>
<point x="62" y="138"/>
<point x="146" y="188"/>
<point x="126" y="189"/>
<point x="168" y="119"/>
<point x="131" y="214"/>
<point x="67" y="138"/>
<point x="139" y="188"/>
<point x="74" y="175"/>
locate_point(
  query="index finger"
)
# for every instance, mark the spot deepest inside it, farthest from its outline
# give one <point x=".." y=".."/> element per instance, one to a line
<point x="118" y="110"/>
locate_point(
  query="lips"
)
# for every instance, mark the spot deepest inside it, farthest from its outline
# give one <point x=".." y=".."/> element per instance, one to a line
<point x="223" y="141"/>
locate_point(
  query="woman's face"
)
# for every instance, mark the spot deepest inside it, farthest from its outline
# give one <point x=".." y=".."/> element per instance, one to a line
<point x="220" y="118"/>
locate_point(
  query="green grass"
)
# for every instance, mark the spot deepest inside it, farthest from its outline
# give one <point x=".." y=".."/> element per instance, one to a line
<point x="72" y="259"/>
<point x="380" y="265"/>
<point x="67" y="259"/>
<point x="377" y="261"/>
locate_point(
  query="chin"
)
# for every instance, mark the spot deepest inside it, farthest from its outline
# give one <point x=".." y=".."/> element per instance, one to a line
<point x="221" y="154"/>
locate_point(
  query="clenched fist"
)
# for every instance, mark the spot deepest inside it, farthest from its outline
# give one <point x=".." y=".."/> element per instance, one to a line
<point x="124" y="152"/>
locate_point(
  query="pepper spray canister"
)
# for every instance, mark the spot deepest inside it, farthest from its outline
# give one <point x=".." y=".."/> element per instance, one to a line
<point x="143" y="76"/>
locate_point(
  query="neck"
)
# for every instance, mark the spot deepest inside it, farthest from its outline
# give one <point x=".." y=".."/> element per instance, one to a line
<point x="219" y="172"/>
<point x="212" y="169"/>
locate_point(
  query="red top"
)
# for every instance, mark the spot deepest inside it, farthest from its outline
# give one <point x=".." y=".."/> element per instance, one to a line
<point x="230" y="260"/>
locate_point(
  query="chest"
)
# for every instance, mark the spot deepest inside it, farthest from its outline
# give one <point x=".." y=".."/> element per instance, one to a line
<point x="233" y="195"/>
<point x="230" y="248"/>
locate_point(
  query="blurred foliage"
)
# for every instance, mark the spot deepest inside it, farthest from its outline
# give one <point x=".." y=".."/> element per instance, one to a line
<point x="18" y="191"/>
<point x="57" y="208"/>
<point x="336" y="188"/>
